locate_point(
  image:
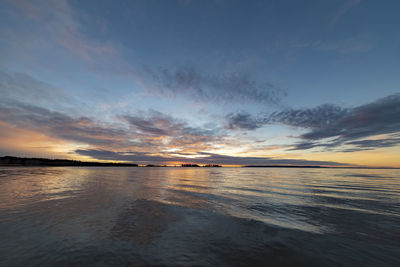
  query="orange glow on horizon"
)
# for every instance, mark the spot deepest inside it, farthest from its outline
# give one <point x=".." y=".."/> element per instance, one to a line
<point x="29" y="143"/>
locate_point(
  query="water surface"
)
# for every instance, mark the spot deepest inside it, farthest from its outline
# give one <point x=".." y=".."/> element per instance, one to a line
<point x="199" y="216"/>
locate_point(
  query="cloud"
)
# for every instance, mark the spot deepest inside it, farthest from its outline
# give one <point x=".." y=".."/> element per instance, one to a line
<point x="341" y="125"/>
<point x="203" y="158"/>
<point x="38" y="33"/>
<point x="150" y="131"/>
<point x="151" y="137"/>
<point x="23" y="87"/>
<point x="369" y="144"/>
<point x="58" y="19"/>
<point x="317" y="117"/>
<point x="242" y="120"/>
<point x="351" y="45"/>
<point x="56" y="29"/>
<point x="345" y="46"/>
<point x="59" y="125"/>
<point x="188" y="81"/>
<point x="155" y="123"/>
<point x="170" y="132"/>
<point x="343" y="10"/>
<point x="23" y="142"/>
<point x="379" y="117"/>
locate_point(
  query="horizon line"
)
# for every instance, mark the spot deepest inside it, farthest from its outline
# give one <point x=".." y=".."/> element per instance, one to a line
<point x="116" y="163"/>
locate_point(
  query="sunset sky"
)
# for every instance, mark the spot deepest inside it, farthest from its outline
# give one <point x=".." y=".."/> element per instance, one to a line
<point x="224" y="81"/>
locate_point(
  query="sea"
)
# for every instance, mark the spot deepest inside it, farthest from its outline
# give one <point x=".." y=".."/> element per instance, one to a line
<point x="169" y="216"/>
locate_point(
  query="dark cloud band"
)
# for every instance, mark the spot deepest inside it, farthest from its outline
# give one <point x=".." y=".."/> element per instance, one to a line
<point x="205" y="158"/>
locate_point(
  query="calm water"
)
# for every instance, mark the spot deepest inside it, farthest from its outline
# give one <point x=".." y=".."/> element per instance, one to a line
<point x="199" y="216"/>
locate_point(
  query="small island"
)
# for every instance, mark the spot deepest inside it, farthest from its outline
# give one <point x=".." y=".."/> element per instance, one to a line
<point x="196" y="165"/>
<point x="212" y="166"/>
<point x="190" y="165"/>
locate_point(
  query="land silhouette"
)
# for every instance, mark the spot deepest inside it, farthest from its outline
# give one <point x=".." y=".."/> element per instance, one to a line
<point x="21" y="161"/>
<point x="16" y="161"/>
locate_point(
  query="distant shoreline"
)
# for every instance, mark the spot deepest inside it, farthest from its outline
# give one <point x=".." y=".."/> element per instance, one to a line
<point x="43" y="162"/>
<point x="318" y="167"/>
<point x="286" y="166"/>
<point x="9" y="161"/>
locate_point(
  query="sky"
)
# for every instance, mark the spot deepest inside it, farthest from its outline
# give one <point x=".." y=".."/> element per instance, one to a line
<point x="207" y="82"/>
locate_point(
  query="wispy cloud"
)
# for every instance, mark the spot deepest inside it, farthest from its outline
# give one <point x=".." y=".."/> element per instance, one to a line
<point x="188" y="81"/>
<point x="349" y="4"/>
<point x="349" y="45"/>
<point x="37" y="32"/>
<point x="23" y="87"/>
<point x="376" y="143"/>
